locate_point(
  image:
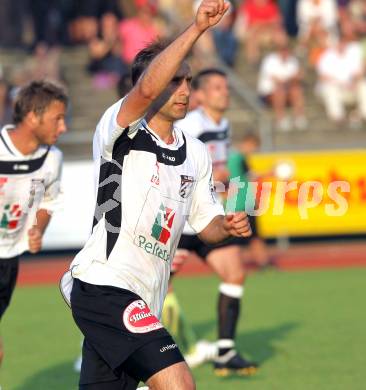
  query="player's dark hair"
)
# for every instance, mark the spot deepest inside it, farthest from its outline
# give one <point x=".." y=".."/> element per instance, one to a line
<point x="202" y="75"/>
<point x="36" y="97"/>
<point x="145" y="57"/>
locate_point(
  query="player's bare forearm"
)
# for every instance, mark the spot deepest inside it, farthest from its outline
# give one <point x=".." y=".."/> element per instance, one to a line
<point x="43" y="219"/>
<point x="223" y="227"/>
<point x="164" y="67"/>
<point x="35" y="233"/>
<point x="214" y="232"/>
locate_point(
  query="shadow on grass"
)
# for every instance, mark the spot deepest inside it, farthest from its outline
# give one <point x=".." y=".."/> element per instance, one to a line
<point x="263" y="344"/>
<point x="203" y="328"/>
<point x="61" y="377"/>
<point x="260" y="344"/>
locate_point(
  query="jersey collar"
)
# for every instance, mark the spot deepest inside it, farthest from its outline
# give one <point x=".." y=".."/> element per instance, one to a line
<point x="178" y="140"/>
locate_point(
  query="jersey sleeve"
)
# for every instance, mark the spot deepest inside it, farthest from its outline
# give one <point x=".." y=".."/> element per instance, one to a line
<point x="53" y="195"/>
<point x="108" y="130"/>
<point x="205" y="206"/>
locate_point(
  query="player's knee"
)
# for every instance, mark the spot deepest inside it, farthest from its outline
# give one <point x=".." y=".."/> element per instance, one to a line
<point x="234" y="275"/>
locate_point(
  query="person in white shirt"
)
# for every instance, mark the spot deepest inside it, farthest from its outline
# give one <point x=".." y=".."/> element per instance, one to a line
<point x="152" y="178"/>
<point x="279" y="85"/>
<point x="314" y="16"/>
<point x="30" y="172"/>
<point x="341" y="77"/>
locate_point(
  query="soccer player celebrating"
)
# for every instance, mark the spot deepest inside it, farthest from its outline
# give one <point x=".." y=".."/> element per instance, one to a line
<point x="208" y="124"/>
<point x="152" y="178"/>
<point x="30" y="170"/>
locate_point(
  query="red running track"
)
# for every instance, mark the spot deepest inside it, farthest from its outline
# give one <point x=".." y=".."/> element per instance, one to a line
<point x="296" y="258"/>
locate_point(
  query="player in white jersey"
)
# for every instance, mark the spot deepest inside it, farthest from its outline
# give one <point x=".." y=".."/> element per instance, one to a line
<point x="30" y="169"/>
<point x="208" y="124"/>
<point x="152" y="178"/>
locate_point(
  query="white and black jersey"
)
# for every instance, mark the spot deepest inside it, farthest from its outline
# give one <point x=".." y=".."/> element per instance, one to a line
<point x="146" y="192"/>
<point x="28" y="183"/>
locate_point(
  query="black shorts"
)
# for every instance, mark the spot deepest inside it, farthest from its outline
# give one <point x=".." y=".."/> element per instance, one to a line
<point x="124" y="343"/>
<point x="8" y="278"/>
<point x="191" y="242"/>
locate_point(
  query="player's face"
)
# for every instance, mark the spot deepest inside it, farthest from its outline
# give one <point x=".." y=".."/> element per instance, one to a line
<point x="51" y="124"/>
<point x="173" y="102"/>
<point x="214" y="93"/>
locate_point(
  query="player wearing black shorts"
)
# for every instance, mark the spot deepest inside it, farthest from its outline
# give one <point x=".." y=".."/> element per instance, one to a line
<point x="152" y="179"/>
<point x="30" y="173"/>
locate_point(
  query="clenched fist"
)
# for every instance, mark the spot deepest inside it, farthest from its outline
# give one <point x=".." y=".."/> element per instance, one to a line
<point x="210" y="12"/>
<point x="237" y="225"/>
<point x="34" y="240"/>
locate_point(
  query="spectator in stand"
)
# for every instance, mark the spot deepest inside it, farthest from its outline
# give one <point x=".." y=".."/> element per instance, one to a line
<point x="105" y="61"/>
<point x="257" y="23"/>
<point x="357" y="13"/>
<point x="12" y="16"/>
<point x="313" y="17"/>
<point x="341" y="72"/>
<point x="50" y="21"/>
<point x="137" y="32"/>
<point x="225" y="40"/>
<point x="84" y="26"/>
<point x="318" y="47"/>
<point x="279" y="85"/>
<point x="43" y="64"/>
<point x="288" y="10"/>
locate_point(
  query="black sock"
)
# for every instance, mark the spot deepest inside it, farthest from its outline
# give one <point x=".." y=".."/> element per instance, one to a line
<point x="228" y="311"/>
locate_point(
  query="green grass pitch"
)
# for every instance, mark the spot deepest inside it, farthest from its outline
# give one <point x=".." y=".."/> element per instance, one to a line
<point x="306" y="329"/>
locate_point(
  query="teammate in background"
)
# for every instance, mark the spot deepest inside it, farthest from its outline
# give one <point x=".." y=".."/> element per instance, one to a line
<point x="30" y="170"/>
<point x="152" y="178"/>
<point x="208" y="124"/>
<point x="245" y="198"/>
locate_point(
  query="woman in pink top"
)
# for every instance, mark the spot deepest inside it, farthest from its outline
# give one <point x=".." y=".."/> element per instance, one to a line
<point x="260" y="20"/>
<point x="135" y="33"/>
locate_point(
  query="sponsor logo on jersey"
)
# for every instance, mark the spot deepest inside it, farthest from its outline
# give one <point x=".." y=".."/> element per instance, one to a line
<point x="163" y="224"/>
<point x="138" y="318"/>
<point x="161" y="231"/>
<point x="168" y="348"/>
<point x="152" y="249"/>
<point x="21" y="167"/>
<point x="186" y="186"/>
<point x="10" y="217"/>
<point x="167" y="157"/>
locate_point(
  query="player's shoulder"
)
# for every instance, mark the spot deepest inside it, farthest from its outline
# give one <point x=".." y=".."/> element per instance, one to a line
<point x="113" y="108"/>
<point x="194" y="145"/>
